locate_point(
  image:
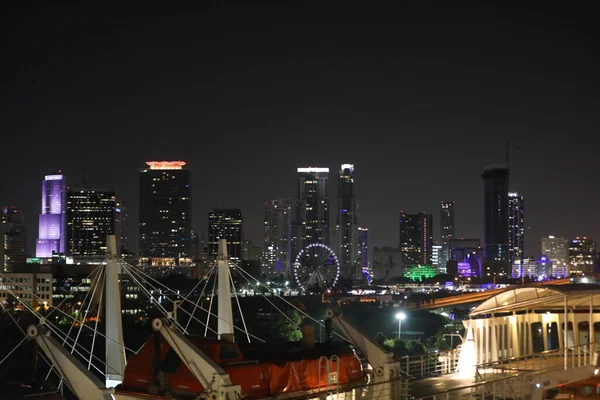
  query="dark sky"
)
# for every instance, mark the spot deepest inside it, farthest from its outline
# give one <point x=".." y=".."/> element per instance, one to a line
<point x="419" y="97"/>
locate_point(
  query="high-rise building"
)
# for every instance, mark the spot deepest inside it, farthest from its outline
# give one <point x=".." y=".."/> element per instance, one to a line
<point x="446" y="230"/>
<point x="13" y="233"/>
<point x="225" y="224"/>
<point x="557" y="250"/>
<point x="436" y="253"/>
<point x="121" y="230"/>
<point x="416" y="238"/>
<point x="166" y="214"/>
<point x="363" y="248"/>
<point x="516" y="227"/>
<point x="582" y="256"/>
<point x="312" y="208"/>
<point x="52" y="224"/>
<point x="347" y="224"/>
<point x="495" y="220"/>
<point x="278" y="227"/>
<point x="90" y="219"/>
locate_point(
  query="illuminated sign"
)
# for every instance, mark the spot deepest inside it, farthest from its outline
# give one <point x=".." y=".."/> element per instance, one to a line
<point x="313" y="169"/>
<point x="161" y="165"/>
<point x="54" y="177"/>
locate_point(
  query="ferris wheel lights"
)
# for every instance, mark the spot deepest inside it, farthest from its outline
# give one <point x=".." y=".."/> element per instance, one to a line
<point x="316" y="269"/>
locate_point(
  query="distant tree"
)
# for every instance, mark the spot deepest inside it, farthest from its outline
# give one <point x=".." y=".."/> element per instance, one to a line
<point x="415" y="348"/>
<point x="396" y="346"/>
<point x="287" y="328"/>
<point x="380" y="339"/>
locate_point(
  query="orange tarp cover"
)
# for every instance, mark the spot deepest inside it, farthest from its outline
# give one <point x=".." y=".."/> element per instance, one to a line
<point x="255" y="379"/>
<point x="302" y="375"/>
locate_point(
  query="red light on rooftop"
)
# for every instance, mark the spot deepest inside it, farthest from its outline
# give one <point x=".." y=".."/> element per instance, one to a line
<point x="165" y="164"/>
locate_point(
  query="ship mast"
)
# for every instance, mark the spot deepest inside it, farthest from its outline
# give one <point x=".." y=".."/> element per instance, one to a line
<point x="225" y="314"/>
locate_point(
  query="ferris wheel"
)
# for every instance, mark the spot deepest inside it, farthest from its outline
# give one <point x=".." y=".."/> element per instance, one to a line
<point x="316" y="268"/>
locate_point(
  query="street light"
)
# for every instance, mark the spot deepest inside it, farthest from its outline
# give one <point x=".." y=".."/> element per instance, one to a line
<point x="400" y="316"/>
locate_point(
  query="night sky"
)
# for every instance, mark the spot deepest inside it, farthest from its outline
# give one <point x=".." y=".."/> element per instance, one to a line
<point x="419" y="98"/>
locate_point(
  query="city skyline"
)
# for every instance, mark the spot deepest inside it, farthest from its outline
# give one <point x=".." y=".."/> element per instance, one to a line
<point x="133" y="225"/>
<point x="246" y="107"/>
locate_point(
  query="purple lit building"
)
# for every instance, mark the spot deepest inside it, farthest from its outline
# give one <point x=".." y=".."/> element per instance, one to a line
<point x="51" y="237"/>
<point x="543" y="268"/>
<point x="465" y="269"/>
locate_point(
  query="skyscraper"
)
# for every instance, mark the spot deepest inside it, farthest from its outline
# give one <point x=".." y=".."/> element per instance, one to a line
<point x="121" y="230"/>
<point x="90" y="219"/>
<point x="363" y="248"/>
<point x="13" y="234"/>
<point x="225" y="224"/>
<point x="436" y="256"/>
<point x="277" y="253"/>
<point x="557" y="250"/>
<point x="446" y="231"/>
<point x="416" y="238"/>
<point x="166" y="213"/>
<point x="312" y="208"/>
<point x="52" y="225"/>
<point x="516" y="227"/>
<point x="347" y="224"/>
<point x="495" y="220"/>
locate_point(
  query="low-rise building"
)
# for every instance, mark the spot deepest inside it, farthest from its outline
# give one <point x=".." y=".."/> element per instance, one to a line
<point x="32" y="288"/>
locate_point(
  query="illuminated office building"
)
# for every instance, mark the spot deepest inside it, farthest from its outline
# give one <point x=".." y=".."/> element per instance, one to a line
<point x="52" y="222"/>
<point x="516" y="227"/>
<point x="225" y="224"/>
<point x="347" y="224"/>
<point x="278" y="227"/>
<point x="363" y="249"/>
<point x="166" y="237"/>
<point x="416" y="238"/>
<point x="312" y="207"/>
<point x="121" y="230"/>
<point x="436" y="253"/>
<point x="582" y="256"/>
<point x="90" y="219"/>
<point x="446" y="231"/>
<point x="495" y="220"/>
<point x="557" y="250"/>
<point x="13" y="234"/>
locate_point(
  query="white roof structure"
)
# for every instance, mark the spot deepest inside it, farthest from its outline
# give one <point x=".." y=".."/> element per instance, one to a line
<point x="547" y="298"/>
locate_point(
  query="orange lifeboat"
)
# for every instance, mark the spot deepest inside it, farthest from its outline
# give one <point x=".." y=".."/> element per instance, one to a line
<point x="266" y="371"/>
